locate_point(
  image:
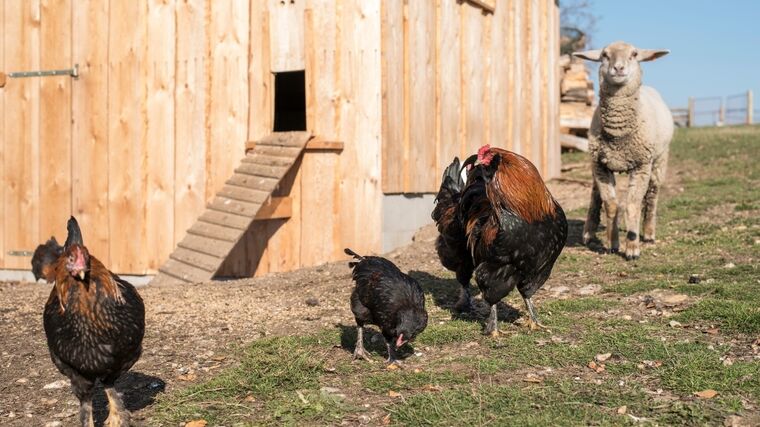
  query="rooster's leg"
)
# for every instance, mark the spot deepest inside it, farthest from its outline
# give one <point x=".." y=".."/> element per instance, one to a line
<point x="359" y="351"/>
<point x="118" y="416"/>
<point x="533" y="321"/>
<point x="85" y="412"/>
<point x="464" y="304"/>
<point x="492" y="327"/>
<point x="392" y="360"/>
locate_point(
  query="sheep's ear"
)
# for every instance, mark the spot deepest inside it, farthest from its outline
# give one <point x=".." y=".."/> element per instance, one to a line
<point x="651" y="54"/>
<point x="592" y="55"/>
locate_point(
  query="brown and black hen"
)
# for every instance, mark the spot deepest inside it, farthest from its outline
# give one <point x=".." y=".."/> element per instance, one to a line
<point x="388" y="298"/>
<point x="94" y="323"/>
<point x="451" y="244"/>
<point x="515" y="229"/>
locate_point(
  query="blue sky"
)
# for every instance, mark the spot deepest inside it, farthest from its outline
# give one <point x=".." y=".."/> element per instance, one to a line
<point x="715" y="45"/>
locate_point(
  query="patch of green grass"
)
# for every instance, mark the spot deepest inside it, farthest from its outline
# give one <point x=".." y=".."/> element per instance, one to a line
<point x="270" y="369"/>
<point x="739" y="316"/>
<point x="693" y="367"/>
<point x="450" y="331"/>
<point x="579" y="305"/>
<point x="382" y="382"/>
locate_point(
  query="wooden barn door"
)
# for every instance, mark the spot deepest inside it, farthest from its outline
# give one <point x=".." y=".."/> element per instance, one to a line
<point x="35" y="127"/>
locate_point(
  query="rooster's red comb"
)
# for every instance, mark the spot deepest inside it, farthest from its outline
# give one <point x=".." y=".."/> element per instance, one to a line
<point x="483" y="150"/>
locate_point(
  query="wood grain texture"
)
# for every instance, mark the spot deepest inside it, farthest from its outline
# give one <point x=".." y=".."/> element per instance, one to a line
<point x="421" y="159"/>
<point x="260" y="95"/>
<point x="89" y="129"/>
<point x="319" y="213"/>
<point x="473" y="72"/>
<point x="55" y="123"/>
<point x="228" y="90"/>
<point x="449" y="77"/>
<point x="22" y="132"/>
<point x="392" y="63"/>
<point x="190" y="99"/>
<point x="3" y="27"/>
<point x="286" y="35"/>
<point x="127" y="148"/>
<point x="161" y="68"/>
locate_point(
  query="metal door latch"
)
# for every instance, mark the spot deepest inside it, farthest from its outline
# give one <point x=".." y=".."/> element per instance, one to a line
<point x="73" y="72"/>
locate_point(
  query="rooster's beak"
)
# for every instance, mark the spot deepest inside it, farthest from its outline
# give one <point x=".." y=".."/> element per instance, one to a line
<point x="81" y="274"/>
<point x="472" y="160"/>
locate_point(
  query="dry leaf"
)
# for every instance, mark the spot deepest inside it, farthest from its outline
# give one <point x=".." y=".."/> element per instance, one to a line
<point x="603" y="357"/>
<point x="250" y="398"/>
<point x="706" y="394"/>
<point x="196" y="423"/>
<point x="597" y="367"/>
<point x="218" y="358"/>
<point x="431" y="387"/>
<point x="417" y="370"/>
<point x="622" y="410"/>
<point x="675" y="324"/>
<point x="386" y="420"/>
<point x="392" y="367"/>
<point x="674" y="299"/>
<point x="190" y="376"/>
<point x="392" y="393"/>
<point x="533" y="378"/>
<point x="712" y="331"/>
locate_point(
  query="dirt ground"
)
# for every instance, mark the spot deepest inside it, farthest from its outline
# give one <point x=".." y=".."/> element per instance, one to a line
<point x="191" y="330"/>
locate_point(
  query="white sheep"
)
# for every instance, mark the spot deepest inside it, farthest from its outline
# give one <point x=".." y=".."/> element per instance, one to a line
<point x="630" y="132"/>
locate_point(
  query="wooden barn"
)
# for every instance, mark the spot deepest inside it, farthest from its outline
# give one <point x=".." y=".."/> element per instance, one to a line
<point x="206" y="138"/>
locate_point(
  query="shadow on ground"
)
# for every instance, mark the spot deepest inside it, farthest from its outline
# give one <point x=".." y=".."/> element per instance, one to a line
<point x="374" y="342"/>
<point x="445" y="293"/>
<point x="137" y="389"/>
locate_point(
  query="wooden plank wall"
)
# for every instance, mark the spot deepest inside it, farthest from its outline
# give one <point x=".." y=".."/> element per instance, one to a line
<point x="456" y="77"/>
<point x="170" y="90"/>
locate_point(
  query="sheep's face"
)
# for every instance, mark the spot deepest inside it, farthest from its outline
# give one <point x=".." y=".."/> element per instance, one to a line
<point x="619" y="62"/>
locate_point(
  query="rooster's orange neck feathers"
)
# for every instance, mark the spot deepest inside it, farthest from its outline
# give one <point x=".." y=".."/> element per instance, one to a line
<point x="518" y="186"/>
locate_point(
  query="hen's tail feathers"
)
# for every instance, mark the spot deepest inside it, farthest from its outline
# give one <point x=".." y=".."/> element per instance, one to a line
<point x="43" y="259"/>
<point x="451" y="181"/>
<point x="353" y="254"/>
<point x="75" y="234"/>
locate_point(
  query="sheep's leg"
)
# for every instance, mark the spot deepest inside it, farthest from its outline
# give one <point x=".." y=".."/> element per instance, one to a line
<point x="594" y="214"/>
<point x="604" y="180"/>
<point x="650" y="199"/>
<point x="638" y="182"/>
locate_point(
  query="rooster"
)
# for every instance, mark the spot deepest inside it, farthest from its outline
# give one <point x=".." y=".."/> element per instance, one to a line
<point x="388" y="298"/>
<point x="451" y="244"/>
<point x="44" y="259"/>
<point x="94" y="322"/>
<point x="515" y="229"/>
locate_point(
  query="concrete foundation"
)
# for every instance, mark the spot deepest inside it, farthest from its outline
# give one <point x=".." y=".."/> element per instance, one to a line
<point x="403" y="215"/>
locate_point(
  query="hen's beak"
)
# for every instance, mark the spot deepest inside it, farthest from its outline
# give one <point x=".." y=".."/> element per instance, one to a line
<point x="400" y="341"/>
<point x="81" y="274"/>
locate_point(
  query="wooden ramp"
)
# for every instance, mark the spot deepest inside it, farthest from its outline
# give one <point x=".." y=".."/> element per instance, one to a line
<point x="244" y="197"/>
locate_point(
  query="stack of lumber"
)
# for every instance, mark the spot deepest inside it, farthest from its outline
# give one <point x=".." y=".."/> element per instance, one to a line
<point x="577" y="103"/>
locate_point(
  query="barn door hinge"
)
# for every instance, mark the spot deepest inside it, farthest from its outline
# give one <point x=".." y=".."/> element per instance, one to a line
<point x="73" y="72"/>
<point x="20" y="253"/>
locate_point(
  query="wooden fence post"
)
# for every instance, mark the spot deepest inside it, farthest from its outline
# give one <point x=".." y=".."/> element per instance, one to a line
<point x="690" y="117"/>
<point x="749" y="107"/>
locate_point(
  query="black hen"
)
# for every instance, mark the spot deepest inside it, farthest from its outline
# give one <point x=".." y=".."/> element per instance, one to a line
<point x="94" y="323"/>
<point x="388" y="298"/>
<point x="515" y="229"/>
<point x="451" y="244"/>
<point x="44" y="259"/>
